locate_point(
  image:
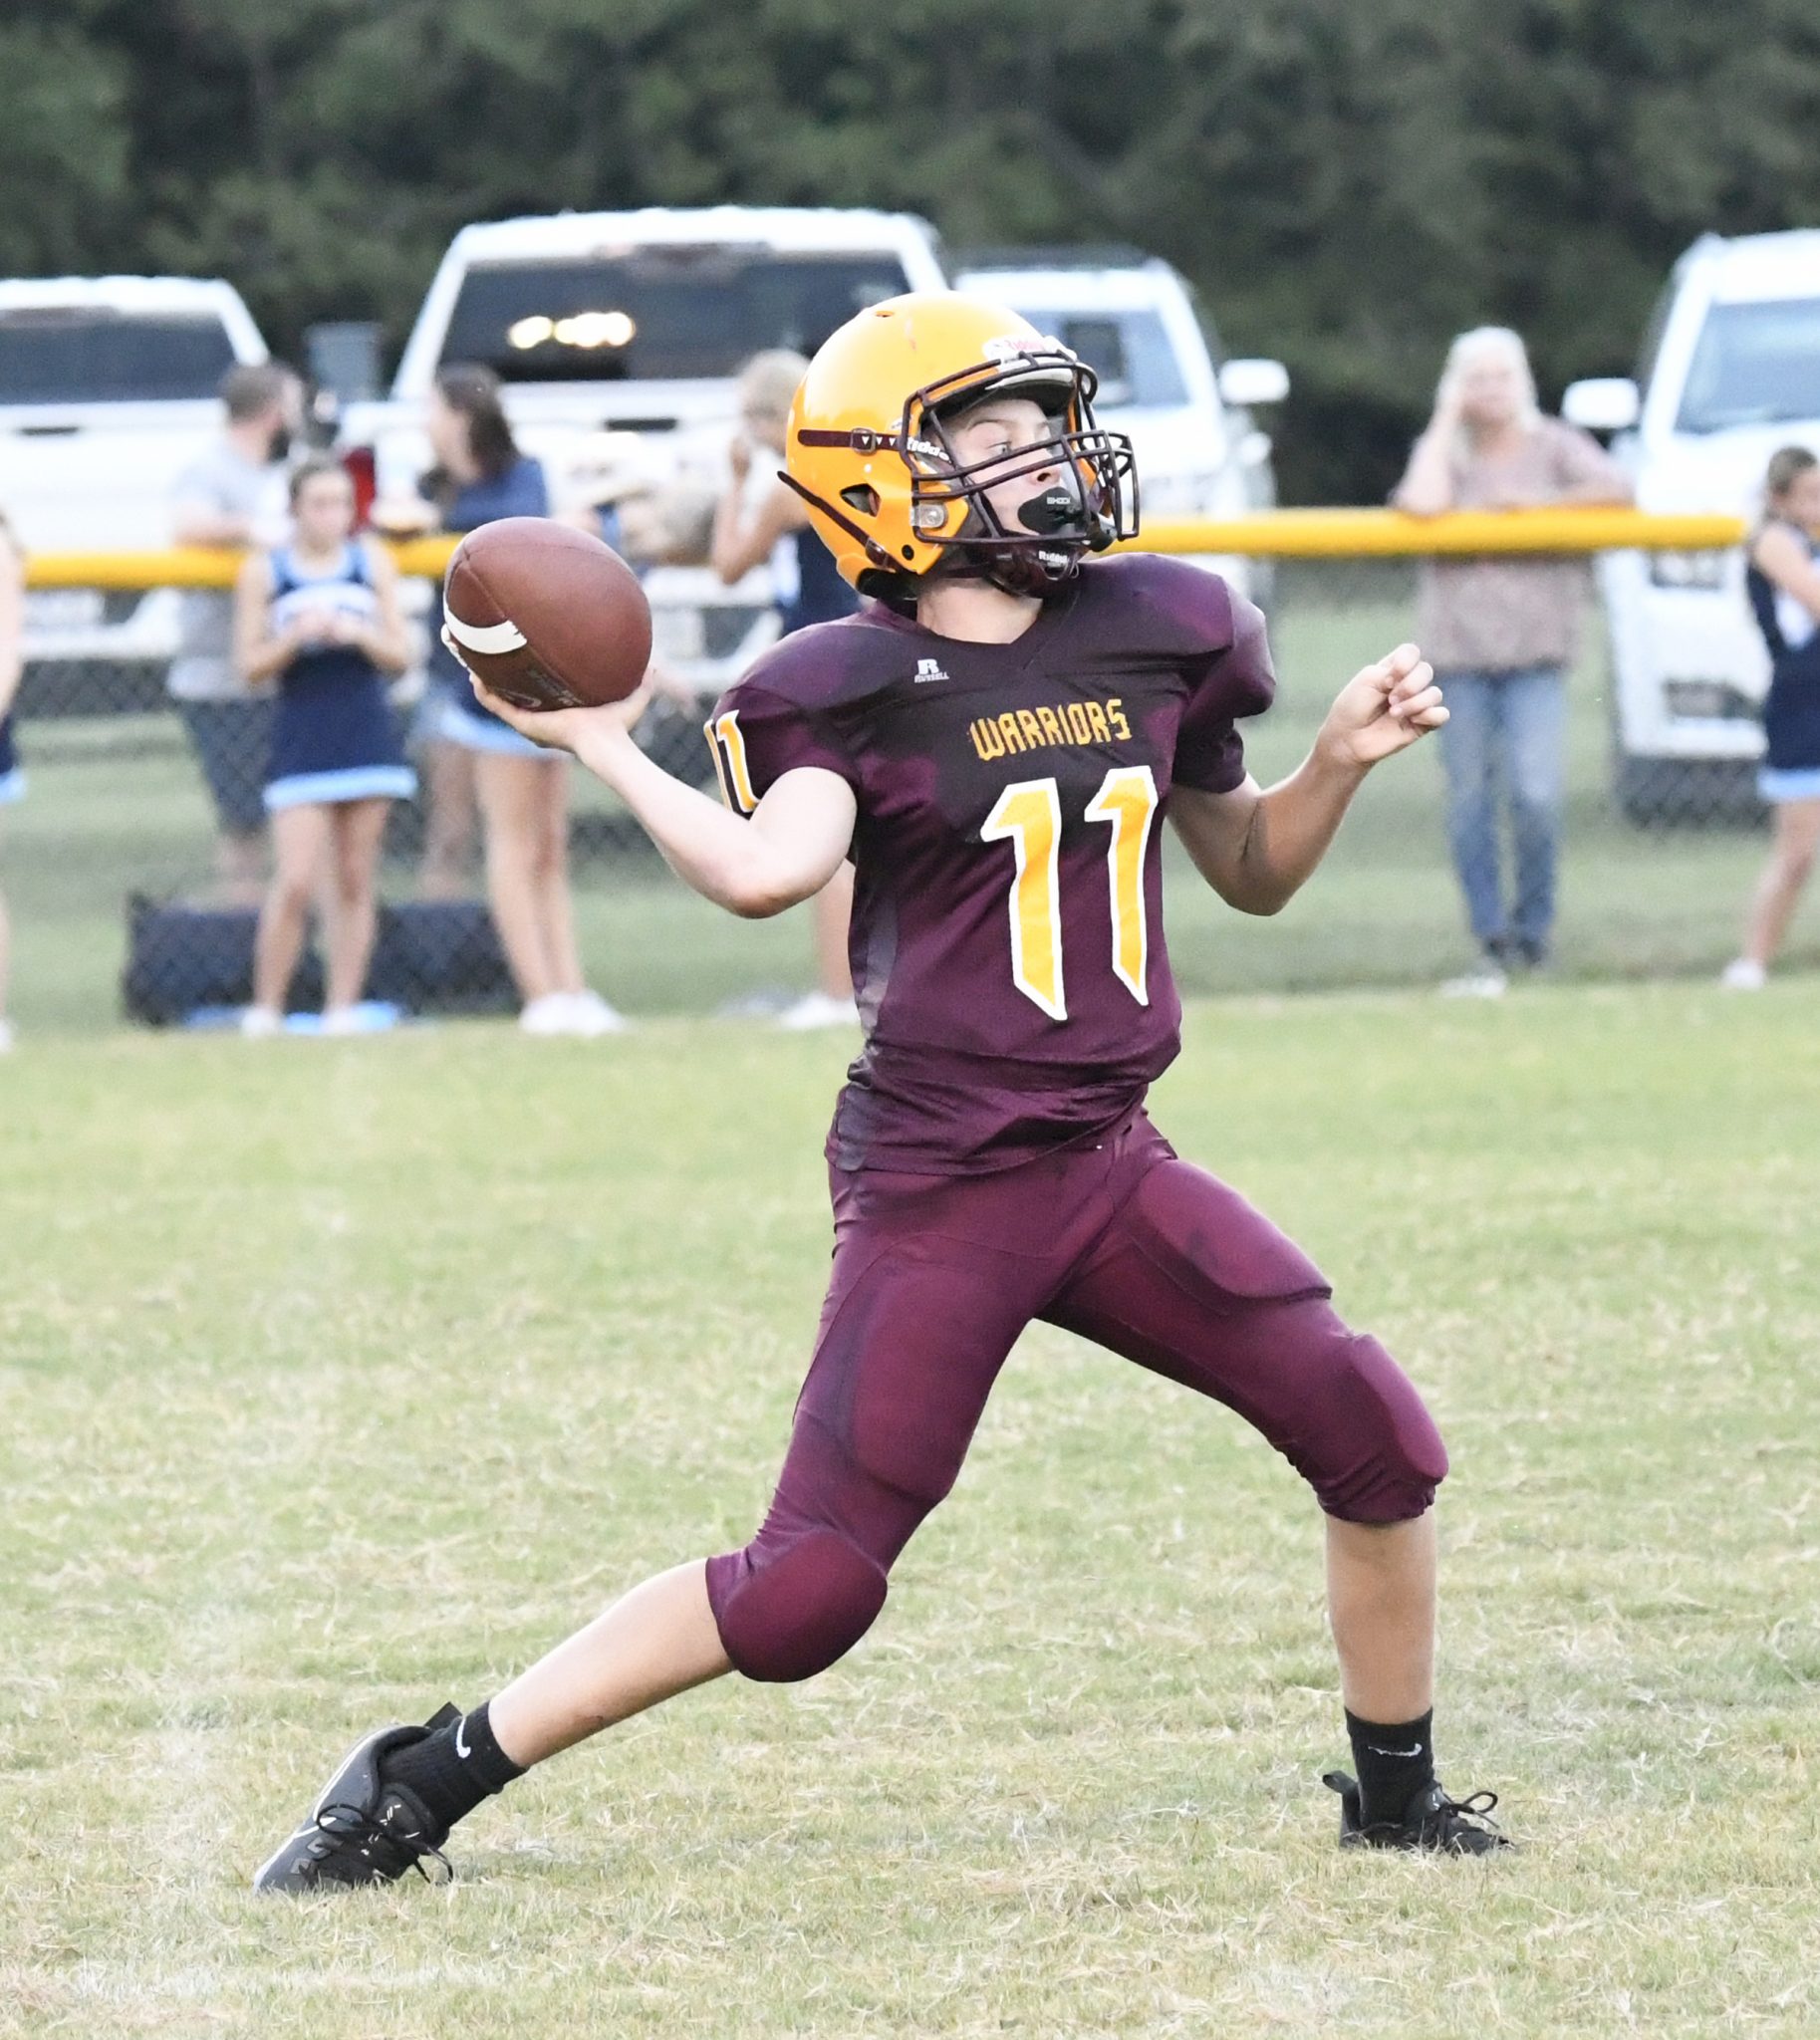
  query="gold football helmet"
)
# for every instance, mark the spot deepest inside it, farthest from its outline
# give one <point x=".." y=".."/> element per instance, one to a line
<point x="868" y="452"/>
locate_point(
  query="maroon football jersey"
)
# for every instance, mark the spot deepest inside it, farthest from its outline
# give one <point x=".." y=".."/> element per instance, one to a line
<point x="1007" y="945"/>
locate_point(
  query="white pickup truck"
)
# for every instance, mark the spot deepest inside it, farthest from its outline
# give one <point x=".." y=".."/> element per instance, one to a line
<point x="108" y="389"/>
<point x="638" y="323"/>
<point x="1729" y="372"/>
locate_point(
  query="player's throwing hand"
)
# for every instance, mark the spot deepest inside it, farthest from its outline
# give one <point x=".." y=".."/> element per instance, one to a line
<point x="1385" y="708"/>
<point x="557" y="730"/>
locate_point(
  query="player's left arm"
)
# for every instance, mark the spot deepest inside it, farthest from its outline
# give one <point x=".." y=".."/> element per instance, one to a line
<point x="1257" y="846"/>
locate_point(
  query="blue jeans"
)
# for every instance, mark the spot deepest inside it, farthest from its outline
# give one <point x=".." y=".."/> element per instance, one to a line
<point x="1504" y="734"/>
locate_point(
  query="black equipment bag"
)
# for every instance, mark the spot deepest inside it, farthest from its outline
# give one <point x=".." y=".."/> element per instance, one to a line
<point x="193" y="963"/>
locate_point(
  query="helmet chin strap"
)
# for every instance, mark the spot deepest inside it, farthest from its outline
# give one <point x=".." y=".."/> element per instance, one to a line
<point x="1059" y="514"/>
<point x="1018" y="570"/>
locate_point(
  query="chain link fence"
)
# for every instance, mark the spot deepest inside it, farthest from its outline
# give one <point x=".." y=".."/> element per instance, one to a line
<point x="122" y="907"/>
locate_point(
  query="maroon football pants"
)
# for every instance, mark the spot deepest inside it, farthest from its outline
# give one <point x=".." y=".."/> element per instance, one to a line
<point x="934" y="1280"/>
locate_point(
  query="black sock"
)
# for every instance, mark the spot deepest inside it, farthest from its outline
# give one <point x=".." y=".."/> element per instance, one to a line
<point x="454" y="1769"/>
<point x="1395" y="1759"/>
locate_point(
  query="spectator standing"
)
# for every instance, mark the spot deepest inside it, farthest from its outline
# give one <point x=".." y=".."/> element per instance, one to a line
<point x="808" y="589"/>
<point x="233" y="495"/>
<point x="12" y="778"/>
<point x="521" y="790"/>
<point x="1784" y="584"/>
<point x="1502" y="633"/>
<point x="320" y="615"/>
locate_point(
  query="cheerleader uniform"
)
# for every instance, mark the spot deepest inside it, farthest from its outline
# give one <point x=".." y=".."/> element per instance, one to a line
<point x="335" y="738"/>
<point x="1791" y="710"/>
<point x="12" y="773"/>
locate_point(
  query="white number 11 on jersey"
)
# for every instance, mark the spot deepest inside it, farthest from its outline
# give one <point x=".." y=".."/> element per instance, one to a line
<point x="1028" y="815"/>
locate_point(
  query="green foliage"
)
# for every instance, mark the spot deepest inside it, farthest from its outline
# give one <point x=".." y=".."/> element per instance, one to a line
<point x="63" y="147"/>
<point x="1348" y="186"/>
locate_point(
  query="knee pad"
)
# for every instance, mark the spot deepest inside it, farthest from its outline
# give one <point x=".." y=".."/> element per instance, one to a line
<point x="792" y="1615"/>
<point x="1382" y="1458"/>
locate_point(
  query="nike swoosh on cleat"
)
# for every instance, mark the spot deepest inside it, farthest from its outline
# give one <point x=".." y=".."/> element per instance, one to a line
<point x="461" y="1748"/>
<point x="1377" y="1752"/>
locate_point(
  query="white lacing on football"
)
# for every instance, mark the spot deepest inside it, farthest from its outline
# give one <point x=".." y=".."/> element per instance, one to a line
<point x="506" y="637"/>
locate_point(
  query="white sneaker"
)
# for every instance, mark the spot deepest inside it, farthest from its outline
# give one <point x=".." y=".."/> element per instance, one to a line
<point x="591" y="1016"/>
<point x="818" y="1009"/>
<point x="1743" y="974"/>
<point x="7" y="1036"/>
<point x="548" y="1015"/>
<point x="345" y="1020"/>
<point x="1486" y="982"/>
<point x="260" y="1023"/>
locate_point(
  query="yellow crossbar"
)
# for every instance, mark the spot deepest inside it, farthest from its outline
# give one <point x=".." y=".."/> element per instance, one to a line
<point x="1389" y="533"/>
<point x="193" y="566"/>
<point x="1271" y="534"/>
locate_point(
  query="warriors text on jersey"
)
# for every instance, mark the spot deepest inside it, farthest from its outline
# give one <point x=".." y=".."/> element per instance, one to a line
<point x="1007" y="945"/>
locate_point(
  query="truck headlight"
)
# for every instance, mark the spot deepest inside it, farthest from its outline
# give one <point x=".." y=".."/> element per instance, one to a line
<point x="1688" y="569"/>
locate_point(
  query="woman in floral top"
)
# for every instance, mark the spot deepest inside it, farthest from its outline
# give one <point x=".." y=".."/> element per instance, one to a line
<point x="1502" y="633"/>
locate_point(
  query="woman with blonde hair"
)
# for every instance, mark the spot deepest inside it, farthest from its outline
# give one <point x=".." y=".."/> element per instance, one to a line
<point x="12" y="665"/>
<point x="1503" y="633"/>
<point x="1784" y="584"/>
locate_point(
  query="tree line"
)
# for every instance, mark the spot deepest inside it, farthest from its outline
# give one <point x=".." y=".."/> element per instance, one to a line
<point x="1348" y="182"/>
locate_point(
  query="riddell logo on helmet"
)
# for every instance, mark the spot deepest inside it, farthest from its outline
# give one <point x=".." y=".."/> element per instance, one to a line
<point x="1014" y="348"/>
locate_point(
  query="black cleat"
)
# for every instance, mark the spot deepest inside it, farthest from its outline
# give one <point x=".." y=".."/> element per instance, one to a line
<point x="1451" y="1827"/>
<point x="363" y="1831"/>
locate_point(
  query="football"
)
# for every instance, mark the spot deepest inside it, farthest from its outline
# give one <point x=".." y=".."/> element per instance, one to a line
<point x="547" y="615"/>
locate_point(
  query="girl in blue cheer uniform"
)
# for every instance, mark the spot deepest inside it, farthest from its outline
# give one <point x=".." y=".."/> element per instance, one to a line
<point x="321" y="613"/>
<point x="1783" y="583"/>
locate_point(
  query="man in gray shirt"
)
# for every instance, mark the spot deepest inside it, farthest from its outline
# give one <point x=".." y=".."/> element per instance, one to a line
<point x="233" y="495"/>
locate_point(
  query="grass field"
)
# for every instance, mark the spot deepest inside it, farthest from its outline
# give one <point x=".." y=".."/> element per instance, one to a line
<point x="340" y="1377"/>
<point x="119" y="806"/>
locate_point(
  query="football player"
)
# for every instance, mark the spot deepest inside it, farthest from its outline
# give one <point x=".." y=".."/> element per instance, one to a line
<point x="994" y="739"/>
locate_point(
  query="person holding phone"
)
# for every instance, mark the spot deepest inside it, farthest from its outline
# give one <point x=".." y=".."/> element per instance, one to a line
<point x="772" y="526"/>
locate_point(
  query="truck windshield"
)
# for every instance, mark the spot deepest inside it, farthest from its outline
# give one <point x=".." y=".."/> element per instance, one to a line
<point x="1128" y="351"/>
<point x="1754" y="364"/>
<point x="58" y="355"/>
<point x="658" y="313"/>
